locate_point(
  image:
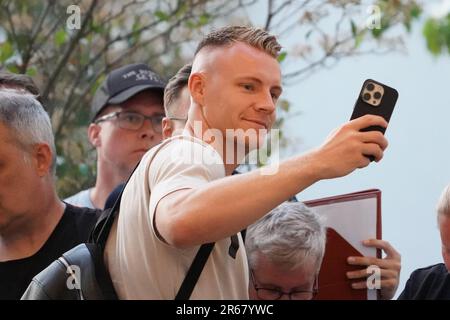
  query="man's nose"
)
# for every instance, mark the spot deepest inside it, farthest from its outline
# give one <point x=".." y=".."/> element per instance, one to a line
<point x="147" y="130"/>
<point x="266" y="103"/>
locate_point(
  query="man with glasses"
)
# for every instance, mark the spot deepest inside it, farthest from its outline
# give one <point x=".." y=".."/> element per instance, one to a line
<point x="176" y="106"/>
<point x="127" y="112"/>
<point x="285" y="249"/>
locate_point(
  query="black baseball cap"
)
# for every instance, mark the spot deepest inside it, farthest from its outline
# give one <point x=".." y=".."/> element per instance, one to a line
<point x="123" y="83"/>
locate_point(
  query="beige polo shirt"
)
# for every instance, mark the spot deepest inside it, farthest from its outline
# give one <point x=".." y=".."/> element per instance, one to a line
<point x="141" y="265"/>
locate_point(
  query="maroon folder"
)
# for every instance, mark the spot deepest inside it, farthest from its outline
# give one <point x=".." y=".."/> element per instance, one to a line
<point x="348" y="219"/>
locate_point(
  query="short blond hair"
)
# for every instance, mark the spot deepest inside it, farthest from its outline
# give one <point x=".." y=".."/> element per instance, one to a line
<point x="252" y="36"/>
<point x="443" y="207"/>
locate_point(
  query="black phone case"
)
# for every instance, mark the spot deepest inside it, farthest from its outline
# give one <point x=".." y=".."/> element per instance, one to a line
<point x="384" y="109"/>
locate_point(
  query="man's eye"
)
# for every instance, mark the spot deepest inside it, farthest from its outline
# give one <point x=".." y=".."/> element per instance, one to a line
<point x="247" y="86"/>
<point x="132" y="118"/>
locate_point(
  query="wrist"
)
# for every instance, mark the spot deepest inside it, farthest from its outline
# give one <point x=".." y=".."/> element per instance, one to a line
<point x="311" y="167"/>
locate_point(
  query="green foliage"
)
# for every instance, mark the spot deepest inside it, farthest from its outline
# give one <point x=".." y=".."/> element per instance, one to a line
<point x="282" y="56"/>
<point x="69" y="65"/>
<point x="437" y="35"/>
<point x="393" y="12"/>
<point x="162" y="16"/>
<point x="353" y="28"/>
<point x="204" y="19"/>
<point x="6" y="51"/>
<point x="60" y="37"/>
<point x="384" y="25"/>
<point x="358" y="35"/>
<point x="31" y="71"/>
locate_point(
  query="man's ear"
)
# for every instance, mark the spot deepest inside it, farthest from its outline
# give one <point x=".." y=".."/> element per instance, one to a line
<point x="43" y="158"/>
<point x="167" y="128"/>
<point x="196" y="86"/>
<point x="94" y="134"/>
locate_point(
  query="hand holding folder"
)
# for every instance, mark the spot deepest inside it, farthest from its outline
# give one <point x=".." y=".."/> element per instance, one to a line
<point x="350" y="219"/>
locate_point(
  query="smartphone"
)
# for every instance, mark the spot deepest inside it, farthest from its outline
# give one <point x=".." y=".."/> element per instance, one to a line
<point x="375" y="98"/>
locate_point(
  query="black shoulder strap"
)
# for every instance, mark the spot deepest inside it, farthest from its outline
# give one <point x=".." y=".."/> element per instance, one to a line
<point x="243" y="234"/>
<point x="194" y="271"/>
<point x="196" y="268"/>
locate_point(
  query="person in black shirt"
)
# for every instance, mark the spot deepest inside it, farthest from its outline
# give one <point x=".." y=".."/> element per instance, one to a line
<point x="430" y="283"/>
<point x="433" y="282"/>
<point x="36" y="227"/>
<point x="72" y="229"/>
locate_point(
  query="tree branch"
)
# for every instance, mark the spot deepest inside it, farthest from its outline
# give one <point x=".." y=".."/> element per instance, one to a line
<point x="11" y="24"/>
<point x="38" y="27"/>
<point x="68" y="52"/>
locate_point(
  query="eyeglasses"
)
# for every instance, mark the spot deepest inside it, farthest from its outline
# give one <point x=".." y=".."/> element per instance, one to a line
<point x="133" y="121"/>
<point x="179" y="119"/>
<point x="275" y="294"/>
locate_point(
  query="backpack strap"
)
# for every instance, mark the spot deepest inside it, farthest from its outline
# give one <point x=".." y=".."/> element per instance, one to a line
<point x="194" y="272"/>
<point x="103" y="226"/>
<point x="243" y="234"/>
<point x="196" y="268"/>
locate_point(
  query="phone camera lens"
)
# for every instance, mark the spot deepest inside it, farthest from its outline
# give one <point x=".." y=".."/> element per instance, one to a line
<point x="370" y="87"/>
<point x="377" y="95"/>
<point x="367" y="96"/>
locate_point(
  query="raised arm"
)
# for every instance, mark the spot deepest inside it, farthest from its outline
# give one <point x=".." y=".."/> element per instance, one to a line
<point x="225" y="206"/>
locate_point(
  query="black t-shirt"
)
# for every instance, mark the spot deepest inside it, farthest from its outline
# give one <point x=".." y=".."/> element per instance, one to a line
<point x="73" y="228"/>
<point x="430" y="283"/>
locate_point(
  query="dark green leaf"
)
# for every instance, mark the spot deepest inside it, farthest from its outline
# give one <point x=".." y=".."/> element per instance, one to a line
<point x="31" y="71"/>
<point x="6" y="51"/>
<point x="13" y="68"/>
<point x="60" y="37"/>
<point x="204" y="19"/>
<point x="181" y="10"/>
<point x="416" y="11"/>
<point x="354" y="29"/>
<point x="282" y="56"/>
<point x="359" y="38"/>
<point x="162" y="15"/>
<point x="432" y="36"/>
